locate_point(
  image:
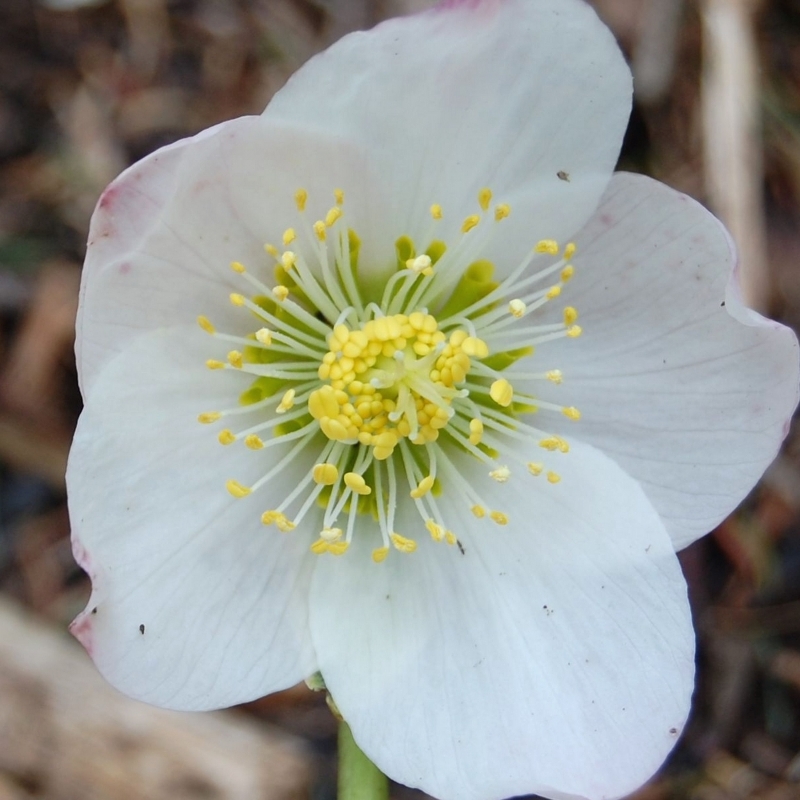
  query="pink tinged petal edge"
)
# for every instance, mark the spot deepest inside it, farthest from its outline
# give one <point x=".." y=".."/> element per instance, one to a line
<point x="687" y="389"/>
<point x="501" y="94"/>
<point x="195" y="604"/>
<point x="554" y="656"/>
<point x="165" y="232"/>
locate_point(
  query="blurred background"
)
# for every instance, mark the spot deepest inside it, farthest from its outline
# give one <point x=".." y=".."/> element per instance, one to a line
<point x="86" y="88"/>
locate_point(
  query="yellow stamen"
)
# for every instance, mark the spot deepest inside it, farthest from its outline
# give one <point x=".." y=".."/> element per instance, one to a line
<point x="332" y="216"/>
<point x="574" y="332"/>
<point x="212" y="363"/>
<point x="237" y="489"/>
<point x="300" y="199"/>
<point x="380" y="554"/>
<point x="338" y="196"/>
<point x="469" y="223"/>
<point x="502" y="392"/>
<point x="287" y="401"/>
<point x="226" y="437"/>
<point x="569" y="251"/>
<point x="253" y="442"/>
<point x="436" y="211"/>
<point x="502" y="211"/>
<point x="235" y="359"/>
<point x="325" y="474"/>
<point x="499" y="517"/>
<point x="475" y="431"/>
<point x="264" y="335"/>
<point x="554" y="376"/>
<point x="289" y="236"/>
<point x="501" y="474"/>
<point x="478" y="511"/>
<point x="571" y="412"/>
<point x="549" y="246"/>
<point x="319" y="230"/>
<point x="570" y="315"/>
<point x="356" y="483"/>
<point x="237" y="266"/>
<point x="208" y="417"/>
<point x="271" y="250"/>
<point x="280" y="293"/>
<point x="484" y="198"/>
<point x="205" y="324"/>
<point x="535" y="469"/>
<point x="423" y="487"/>
<point x="567" y="272"/>
<point x="553" y="477"/>
<point x="237" y="299"/>
<point x="402" y="544"/>
<point x="553" y="292"/>
<point x="517" y="308"/>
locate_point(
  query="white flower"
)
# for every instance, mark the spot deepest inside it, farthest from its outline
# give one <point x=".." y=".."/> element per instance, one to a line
<point x="525" y="627"/>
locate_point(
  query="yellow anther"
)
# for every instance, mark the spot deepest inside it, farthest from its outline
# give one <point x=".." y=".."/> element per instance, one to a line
<point x="253" y="442"/>
<point x="501" y="211"/>
<point x="499" y="517"/>
<point x="212" y="363"/>
<point x="436" y="531"/>
<point x="554" y="376"/>
<point x="552" y="443"/>
<point x="288" y="260"/>
<point x="284" y="524"/>
<point x="567" y="272"/>
<point x="338" y="195"/>
<point x="535" y="469"/>
<point x="420" y="265"/>
<point x="501" y="474"/>
<point x="472" y="346"/>
<point x="475" y="431"/>
<point x="478" y="511"/>
<point x="549" y="246"/>
<point x="271" y="250"/>
<point x="570" y="315"/>
<point x="319" y="230"/>
<point x="235" y="359"/>
<point x="569" y="251"/>
<point x="574" y="331"/>
<point x="571" y="412"/>
<point x="469" y="223"/>
<point x="423" y="487"/>
<point x="319" y="547"/>
<point x="226" y="437"/>
<point x="237" y="266"/>
<point x="237" y="489"/>
<point x="436" y="211"/>
<point x="287" y="401"/>
<point x="208" y="417"/>
<point x="502" y="392"/>
<point x="553" y="477"/>
<point x="325" y="474"/>
<point x="553" y="292"/>
<point x="517" y="308"/>
<point x="331" y="534"/>
<point x="300" y="199"/>
<point x="356" y="483"/>
<point x="380" y="554"/>
<point x="269" y="517"/>
<point x="280" y="293"/>
<point x="237" y="299"/>
<point x="332" y="216"/>
<point x="484" y="198"/>
<point x="264" y="335"/>
<point x="402" y="544"/>
<point x="450" y="538"/>
<point x="338" y="548"/>
<point x="205" y="324"/>
<point x="289" y="236"/>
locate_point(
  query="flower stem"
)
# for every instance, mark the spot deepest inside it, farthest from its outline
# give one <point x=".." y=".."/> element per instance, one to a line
<point x="359" y="778"/>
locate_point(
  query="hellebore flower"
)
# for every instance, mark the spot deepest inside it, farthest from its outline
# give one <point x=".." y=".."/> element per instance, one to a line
<point x="406" y="467"/>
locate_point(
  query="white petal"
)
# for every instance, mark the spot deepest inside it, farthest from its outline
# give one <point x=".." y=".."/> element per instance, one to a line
<point x="689" y="391"/>
<point x="554" y="656"/>
<point x="165" y="232"/>
<point x="499" y="94"/>
<point x="195" y="604"/>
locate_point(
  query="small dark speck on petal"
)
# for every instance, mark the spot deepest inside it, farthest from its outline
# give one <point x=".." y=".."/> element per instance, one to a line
<point x="673" y="731"/>
<point x="722" y="304"/>
<point x="562" y="175"/>
<point x="141" y="629"/>
<point x="94" y="610"/>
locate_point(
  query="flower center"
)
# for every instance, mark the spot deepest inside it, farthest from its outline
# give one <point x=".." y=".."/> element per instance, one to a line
<point x="396" y="388"/>
<point x="392" y="378"/>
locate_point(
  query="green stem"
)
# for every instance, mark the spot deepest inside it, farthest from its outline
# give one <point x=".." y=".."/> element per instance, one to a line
<point x="359" y="778"/>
